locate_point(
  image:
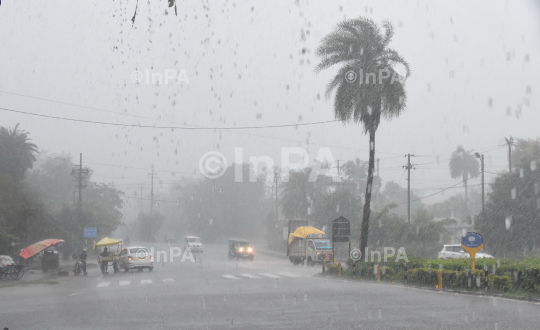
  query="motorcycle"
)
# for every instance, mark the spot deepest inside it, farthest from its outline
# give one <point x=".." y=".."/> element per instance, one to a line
<point x="78" y="267"/>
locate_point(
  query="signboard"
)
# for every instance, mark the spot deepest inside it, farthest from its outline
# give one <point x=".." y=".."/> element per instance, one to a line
<point x="341" y="230"/>
<point x="472" y="243"/>
<point x="90" y="232"/>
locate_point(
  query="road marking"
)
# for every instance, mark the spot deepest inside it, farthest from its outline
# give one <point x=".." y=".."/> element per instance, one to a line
<point x="269" y="275"/>
<point x="168" y="280"/>
<point x="74" y="294"/>
<point x="124" y="282"/>
<point x="289" y="274"/>
<point x="249" y="276"/>
<point x="146" y="281"/>
<point x="99" y="278"/>
<point x="103" y="284"/>
<point x="232" y="277"/>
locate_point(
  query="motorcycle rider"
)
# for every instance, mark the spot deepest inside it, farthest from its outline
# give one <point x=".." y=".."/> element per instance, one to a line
<point x="82" y="257"/>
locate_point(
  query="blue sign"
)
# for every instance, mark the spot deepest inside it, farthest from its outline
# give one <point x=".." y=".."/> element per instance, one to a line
<point x="472" y="240"/>
<point x="90" y="232"/>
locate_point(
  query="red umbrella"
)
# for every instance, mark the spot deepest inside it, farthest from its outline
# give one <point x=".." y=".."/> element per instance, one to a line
<point x="36" y="248"/>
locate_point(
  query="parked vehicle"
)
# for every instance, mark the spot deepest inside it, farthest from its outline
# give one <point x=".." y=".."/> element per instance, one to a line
<point x="136" y="257"/>
<point x="240" y="249"/>
<point x="308" y="244"/>
<point x="456" y="251"/>
<point x="193" y="243"/>
<point x="50" y="259"/>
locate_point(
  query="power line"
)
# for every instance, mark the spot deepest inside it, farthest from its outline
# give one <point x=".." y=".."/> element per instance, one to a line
<point x="166" y="127"/>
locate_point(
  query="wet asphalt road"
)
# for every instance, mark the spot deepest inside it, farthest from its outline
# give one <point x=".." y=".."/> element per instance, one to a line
<point x="268" y="293"/>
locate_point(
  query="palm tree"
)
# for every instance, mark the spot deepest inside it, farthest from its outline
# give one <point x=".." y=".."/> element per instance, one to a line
<point x="298" y="195"/>
<point x="359" y="46"/>
<point x="462" y="164"/>
<point x="16" y="152"/>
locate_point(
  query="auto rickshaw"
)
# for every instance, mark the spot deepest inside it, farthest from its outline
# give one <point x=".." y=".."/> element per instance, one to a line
<point x="107" y="251"/>
<point x="239" y="248"/>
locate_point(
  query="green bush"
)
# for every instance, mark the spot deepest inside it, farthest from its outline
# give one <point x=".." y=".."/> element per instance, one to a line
<point x="500" y="283"/>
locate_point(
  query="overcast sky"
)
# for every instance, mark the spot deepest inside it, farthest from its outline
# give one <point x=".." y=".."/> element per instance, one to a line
<point x="247" y="63"/>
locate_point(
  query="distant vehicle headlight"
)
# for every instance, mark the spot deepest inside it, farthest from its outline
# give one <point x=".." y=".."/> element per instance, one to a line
<point x="249" y="249"/>
<point x="241" y="250"/>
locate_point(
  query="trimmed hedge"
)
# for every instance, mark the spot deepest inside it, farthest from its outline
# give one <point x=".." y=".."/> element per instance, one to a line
<point x="509" y="274"/>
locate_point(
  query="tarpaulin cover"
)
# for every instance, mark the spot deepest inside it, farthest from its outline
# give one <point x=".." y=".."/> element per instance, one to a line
<point x="36" y="248"/>
<point x="107" y="241"/>
<point x="303" y="232"/>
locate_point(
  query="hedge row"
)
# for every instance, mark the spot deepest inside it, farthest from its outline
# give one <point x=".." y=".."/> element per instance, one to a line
<point x="509" y="274"/>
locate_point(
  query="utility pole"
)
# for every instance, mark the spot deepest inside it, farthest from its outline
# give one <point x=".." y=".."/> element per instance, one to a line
<point x="408" y="168"/>
<point x="141" y="198"/>
<point x="151" y="201"/>
<point x="510" y="143"/>
<point x="482" y="171"/>
<point x="276" y="185"/>
<point x="80" y="175"/>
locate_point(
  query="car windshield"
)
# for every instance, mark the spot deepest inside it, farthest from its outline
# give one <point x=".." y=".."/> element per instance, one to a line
<point x="347" y="142"/>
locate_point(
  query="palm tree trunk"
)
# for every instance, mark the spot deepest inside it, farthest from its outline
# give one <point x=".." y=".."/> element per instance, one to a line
<point x="367" y="205"/>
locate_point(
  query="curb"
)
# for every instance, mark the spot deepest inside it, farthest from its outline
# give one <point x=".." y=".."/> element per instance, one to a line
<point x="479" y="294"/>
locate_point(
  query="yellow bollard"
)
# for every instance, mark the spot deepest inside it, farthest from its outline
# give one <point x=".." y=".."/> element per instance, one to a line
<point x="440" y="279"/>
<point x="339" y="268"/>
<point x="378" y="273"/>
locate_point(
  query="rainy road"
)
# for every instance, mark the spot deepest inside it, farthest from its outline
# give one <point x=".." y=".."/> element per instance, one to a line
<point x="268" y="293"/>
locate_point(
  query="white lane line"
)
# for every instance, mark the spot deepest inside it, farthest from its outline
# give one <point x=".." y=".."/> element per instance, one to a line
<point x="103" y="284"/>
<point x="99" y="278"/>
<point x="269" y="275"/>
<point x="249" y="276"/>
<point x="74" y="294"/>
<point x="289" y="274"/>
<point x="232" y="277"/>
<point x="124" y="282"/>
<point x="146" y="281"/>
<point x="168" y="280"/>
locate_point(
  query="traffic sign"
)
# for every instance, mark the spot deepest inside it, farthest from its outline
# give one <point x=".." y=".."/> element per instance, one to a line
<point x="472" y="243"/>
<point x="90" y="232"/>
<point x="341" y="230"/>
<point x="472" y="240"/>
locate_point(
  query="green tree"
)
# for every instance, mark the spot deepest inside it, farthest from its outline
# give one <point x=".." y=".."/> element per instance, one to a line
<point x="510" y="222"/>
<point x="361" y="48"/>
<point x="463" y="164"/>
<point x="16" y="152"/>
<point x="299" y="198"/>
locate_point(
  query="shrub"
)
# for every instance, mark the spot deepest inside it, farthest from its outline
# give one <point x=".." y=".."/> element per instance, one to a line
<point x="500" y="283"/>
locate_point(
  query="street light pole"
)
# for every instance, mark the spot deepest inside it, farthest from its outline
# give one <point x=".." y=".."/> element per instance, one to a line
<point x="482" y="171"/>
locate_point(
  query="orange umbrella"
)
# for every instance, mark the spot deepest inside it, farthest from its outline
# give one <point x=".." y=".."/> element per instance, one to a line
<point x="36" y="248"/>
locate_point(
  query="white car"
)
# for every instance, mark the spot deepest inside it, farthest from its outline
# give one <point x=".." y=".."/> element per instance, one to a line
<point x="456" y="251"/>
<point x="193" y="243"/>
<point x="136" y="257"/>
